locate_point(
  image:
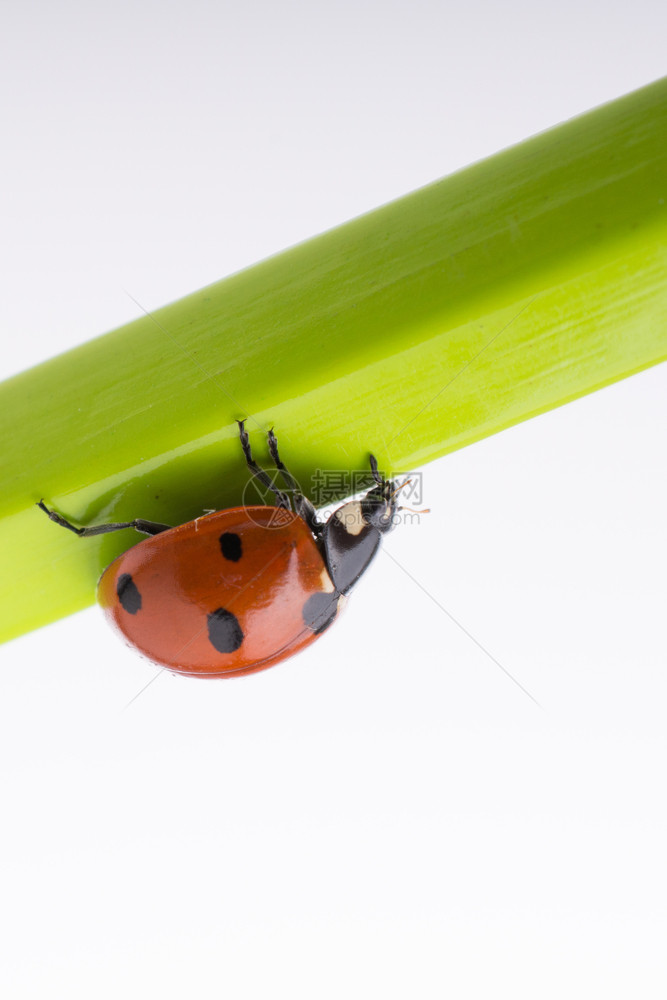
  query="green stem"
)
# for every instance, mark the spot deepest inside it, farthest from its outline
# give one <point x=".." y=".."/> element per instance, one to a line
<point x="498" y="293"/>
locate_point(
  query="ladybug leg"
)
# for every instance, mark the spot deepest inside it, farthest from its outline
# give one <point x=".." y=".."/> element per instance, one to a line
<point x="302" y="504"/>
<point x="146" y="527"/>
<point x="374" y="470"/>
<point x="305" y="509"/>
<point x="287" y="476"/>
<point x="282" y="499"/>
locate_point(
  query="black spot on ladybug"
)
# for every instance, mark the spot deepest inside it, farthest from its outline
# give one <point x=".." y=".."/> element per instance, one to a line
<point x="128" y="595"/>
<point x="320" y="610"/>
<point x="224" y="630"/>
<point x="230" y="545"/>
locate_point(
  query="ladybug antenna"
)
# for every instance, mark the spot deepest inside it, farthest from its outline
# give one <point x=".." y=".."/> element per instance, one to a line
<point x="426" y="510"/>
<point x="399" y="488"/>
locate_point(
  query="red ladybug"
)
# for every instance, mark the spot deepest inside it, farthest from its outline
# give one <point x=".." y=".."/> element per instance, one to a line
<point x="241" y="589"/>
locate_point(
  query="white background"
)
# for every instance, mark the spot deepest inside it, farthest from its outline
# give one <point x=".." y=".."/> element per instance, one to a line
<point x="388" y="814"/>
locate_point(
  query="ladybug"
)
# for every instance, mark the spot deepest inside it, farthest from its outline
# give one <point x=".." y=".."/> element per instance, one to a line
<point x="239" y="590"/>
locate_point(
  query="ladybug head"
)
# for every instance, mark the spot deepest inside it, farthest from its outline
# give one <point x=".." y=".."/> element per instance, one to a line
<point x="352" y="535"/>
<point x="380" y="504"/>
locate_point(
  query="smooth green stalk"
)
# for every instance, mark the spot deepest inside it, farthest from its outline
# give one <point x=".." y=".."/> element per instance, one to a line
<point x="498" y="293"/>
